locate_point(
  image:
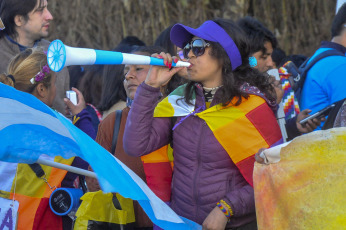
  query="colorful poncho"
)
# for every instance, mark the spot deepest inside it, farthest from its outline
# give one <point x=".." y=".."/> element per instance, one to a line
<point x="289" y="101"/>
<point x="32" y="193"/>
<point x="242" y="130"/>
<point x="158" y="169"/>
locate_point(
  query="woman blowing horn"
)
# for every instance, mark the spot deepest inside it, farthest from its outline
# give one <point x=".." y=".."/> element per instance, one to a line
<point x="223" y="116"/>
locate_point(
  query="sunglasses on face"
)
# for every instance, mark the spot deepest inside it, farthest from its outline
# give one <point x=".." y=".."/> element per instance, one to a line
<point x="197" y="46"/>
<point x="181" y="54"/>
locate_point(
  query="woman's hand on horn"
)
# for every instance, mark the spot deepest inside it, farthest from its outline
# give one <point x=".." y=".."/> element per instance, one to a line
<point x="161" y="75"/>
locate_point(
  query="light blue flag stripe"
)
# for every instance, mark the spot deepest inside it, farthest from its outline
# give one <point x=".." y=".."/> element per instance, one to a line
<point x="24" y="140"/>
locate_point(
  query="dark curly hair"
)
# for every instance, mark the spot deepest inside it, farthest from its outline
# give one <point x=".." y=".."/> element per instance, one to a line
<point x="257" y="34"/>
<point x="232" y="80"/>
<point x="10" y="8"/>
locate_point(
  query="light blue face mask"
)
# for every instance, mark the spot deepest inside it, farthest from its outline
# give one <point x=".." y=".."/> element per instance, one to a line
<point x="252" y="61"/>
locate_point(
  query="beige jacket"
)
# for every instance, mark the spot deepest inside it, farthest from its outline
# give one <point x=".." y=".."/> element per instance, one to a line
<point x="8" y="50"/>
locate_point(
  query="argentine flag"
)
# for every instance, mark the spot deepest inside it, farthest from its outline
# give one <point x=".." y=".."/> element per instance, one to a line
<point x="29" y="128"/>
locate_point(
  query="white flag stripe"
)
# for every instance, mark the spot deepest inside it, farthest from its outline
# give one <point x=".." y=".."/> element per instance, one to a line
<point x="23" y="114"/>
<point x="181" y="108"/>
<point x="7" y="172"/>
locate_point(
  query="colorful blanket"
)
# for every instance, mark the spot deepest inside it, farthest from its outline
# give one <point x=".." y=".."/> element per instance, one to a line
<point x="158" y="169"/>
<point x="306" y="188"/>
<point x="242" y="130"/>
<point x="20" y="183"/>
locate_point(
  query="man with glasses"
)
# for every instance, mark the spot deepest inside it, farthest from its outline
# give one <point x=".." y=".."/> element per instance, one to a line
<point x="24" y="25"/>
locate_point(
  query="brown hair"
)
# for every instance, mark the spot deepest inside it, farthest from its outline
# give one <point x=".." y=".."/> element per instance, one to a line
<point x="25" y="66"/>
<point x="6" y="80"/>
<point x="10" y="8"/>
<point x="91" y="84"/>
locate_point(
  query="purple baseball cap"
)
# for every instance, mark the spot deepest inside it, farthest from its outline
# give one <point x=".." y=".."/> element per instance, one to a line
<point x="211" y="31"/>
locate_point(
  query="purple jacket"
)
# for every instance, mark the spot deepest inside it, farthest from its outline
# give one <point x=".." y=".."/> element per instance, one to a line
<point x="203" y="171"/>
<point x="84" y="123"/>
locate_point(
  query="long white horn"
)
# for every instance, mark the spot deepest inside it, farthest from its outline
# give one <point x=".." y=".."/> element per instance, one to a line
<point x="60" y="55"/>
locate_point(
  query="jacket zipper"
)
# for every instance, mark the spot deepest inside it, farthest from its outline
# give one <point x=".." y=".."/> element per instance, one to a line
<point x="198" y="169"/>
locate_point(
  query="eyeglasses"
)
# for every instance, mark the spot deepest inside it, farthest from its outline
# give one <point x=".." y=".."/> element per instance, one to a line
<point x="197" y="46"/>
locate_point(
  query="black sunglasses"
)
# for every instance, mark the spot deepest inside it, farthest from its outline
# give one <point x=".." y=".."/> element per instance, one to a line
<point x="197" y="46"/>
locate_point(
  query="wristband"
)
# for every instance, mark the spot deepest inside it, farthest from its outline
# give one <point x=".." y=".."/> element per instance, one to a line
<point x="228" y="206"/>
<point x="225" y="211"/>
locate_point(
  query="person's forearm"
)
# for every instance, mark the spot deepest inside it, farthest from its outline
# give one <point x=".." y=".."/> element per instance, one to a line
<point x="144" y="133"/>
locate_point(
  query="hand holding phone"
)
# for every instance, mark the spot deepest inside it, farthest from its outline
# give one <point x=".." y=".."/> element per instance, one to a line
<point x="322" y="113"/>
<point x="75" y="102"/>
<point x="70" y="94"/>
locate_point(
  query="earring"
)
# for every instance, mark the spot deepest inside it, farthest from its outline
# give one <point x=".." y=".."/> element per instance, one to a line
<point x="252" y="61"/>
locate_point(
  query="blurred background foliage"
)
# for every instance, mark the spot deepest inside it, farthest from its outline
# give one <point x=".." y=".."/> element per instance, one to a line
<point x="299" y="25"/>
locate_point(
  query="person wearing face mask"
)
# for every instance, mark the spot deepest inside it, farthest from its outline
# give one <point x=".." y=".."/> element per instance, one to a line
<point x="224" y="115"/>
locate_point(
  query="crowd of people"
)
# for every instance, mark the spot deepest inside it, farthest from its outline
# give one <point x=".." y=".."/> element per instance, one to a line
<point x="190" y="133"/>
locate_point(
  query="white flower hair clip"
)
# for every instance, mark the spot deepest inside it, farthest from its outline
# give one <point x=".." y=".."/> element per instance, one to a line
<point x="40" y="75"/>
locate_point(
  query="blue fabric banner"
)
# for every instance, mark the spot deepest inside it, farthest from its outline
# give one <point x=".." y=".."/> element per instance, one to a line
<point x="29" y="128"/>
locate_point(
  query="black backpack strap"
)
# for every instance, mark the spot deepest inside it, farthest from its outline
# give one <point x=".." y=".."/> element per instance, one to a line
<point x="117" y="122"/>
<point x="332" y="115"/>
<point x="306" y="66"/>
<point x="37" y="169"/>
<point x="116" y="130"/>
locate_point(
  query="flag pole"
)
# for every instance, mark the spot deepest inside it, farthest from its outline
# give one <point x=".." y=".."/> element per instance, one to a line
<point x="67" y="168"/>
<point x="282" y="122"/>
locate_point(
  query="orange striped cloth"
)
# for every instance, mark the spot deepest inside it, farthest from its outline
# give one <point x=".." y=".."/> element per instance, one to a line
<point x="33" y="194"/>
<point x="242" y="130"/>
<point x="158" y="169"/>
